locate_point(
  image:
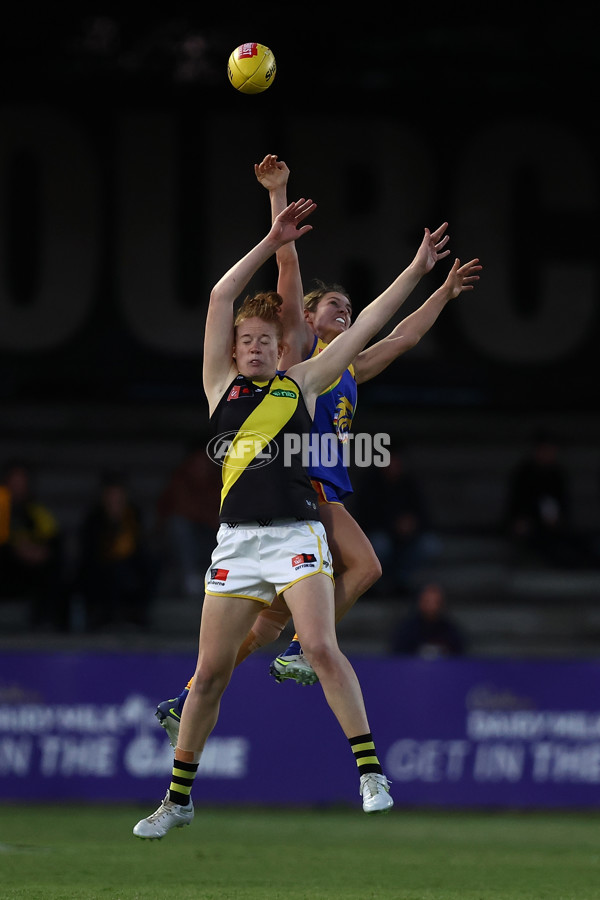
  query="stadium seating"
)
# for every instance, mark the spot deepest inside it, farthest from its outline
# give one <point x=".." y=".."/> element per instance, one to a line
<point x="462" y="459"/>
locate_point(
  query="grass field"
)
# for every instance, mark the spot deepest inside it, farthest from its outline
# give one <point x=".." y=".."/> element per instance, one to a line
<point x="88" y="853"/>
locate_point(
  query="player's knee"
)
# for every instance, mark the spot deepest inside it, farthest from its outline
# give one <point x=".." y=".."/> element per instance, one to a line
<point x="368" y="571"/>
<point x="268" y="626"/>
<point x="373" y="572"/>
<point x="364" y="569"/>
<point x="209" y="683"/>
<point x="322" y="655"/>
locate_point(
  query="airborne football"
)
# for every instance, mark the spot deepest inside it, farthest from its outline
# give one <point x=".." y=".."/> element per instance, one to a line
<point x="251" y="68"/>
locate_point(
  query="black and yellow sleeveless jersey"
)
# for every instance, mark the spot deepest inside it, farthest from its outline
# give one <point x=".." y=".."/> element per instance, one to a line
<point x="258" y="430"/>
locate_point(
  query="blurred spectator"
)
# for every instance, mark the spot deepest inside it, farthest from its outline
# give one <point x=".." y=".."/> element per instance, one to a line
<point x="538" y="514"/>
<point x="429" y="630"/>
<point x="31" y="550"/>
<point x="188" y="518"/>
<point x="392" y="511"/>
<point x="117" y="571"/>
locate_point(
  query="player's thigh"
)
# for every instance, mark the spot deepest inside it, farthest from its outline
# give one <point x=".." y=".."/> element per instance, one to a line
<point x="349" y="545"/>
<point x="277" y="607"/>
<point x="224" y="624"/>
<point x="311" y="603"/>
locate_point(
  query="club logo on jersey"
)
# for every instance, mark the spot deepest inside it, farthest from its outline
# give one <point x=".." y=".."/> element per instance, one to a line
<point x="304" y="561"/>
<point x="218" y="576"/>
<point x="240" y="390"/>
<point x="242" y="449"/>
<point x="342" y="419"/>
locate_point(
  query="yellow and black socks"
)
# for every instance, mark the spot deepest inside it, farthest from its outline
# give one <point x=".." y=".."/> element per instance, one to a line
<point x="182" y="779"/>
<point x="363" y="748"/>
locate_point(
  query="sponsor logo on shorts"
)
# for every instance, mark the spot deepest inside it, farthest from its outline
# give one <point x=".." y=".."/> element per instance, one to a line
<point x="304" y="561"/>
<point x="218" y="576"/>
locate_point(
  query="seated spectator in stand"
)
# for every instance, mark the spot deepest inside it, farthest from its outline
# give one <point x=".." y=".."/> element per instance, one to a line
<point x="429" y="630"/>
<point x="117" y="572"/>
<point x="31" y="550"/>
<point x="188" y="518"/>
<point x="392" y="510"/>
<point x="538" y="513"/>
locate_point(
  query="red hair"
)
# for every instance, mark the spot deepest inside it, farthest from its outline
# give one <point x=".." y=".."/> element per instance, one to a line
<point x="265" y="305"/>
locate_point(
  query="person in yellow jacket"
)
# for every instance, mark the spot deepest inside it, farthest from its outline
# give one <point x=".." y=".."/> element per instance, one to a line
<point x="117" y="568"/>
<point x="31" y="562"/>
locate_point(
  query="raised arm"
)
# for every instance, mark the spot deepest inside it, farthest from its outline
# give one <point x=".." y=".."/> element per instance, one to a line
<point x="338" y="355"/>
<point x="298" y="337"/>
<point x="409" y="331"/>
<point x="218" y="366"/>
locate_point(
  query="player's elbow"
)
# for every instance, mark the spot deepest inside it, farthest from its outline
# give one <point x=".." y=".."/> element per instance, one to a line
<point x="410" y="340"/>
<point x="217" y="295"/>
<point x="401" y="343"/>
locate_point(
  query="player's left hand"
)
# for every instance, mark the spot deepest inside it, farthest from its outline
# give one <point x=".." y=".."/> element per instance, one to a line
<point x="432" y="248"/>
<point x="272" y="172"/>
<point x="462" y="278"/>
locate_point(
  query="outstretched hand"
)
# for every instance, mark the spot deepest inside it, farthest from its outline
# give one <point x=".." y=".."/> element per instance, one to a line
<point x="461" y="278"/>
<point x="287" y="227"/>
<point x="272" y="172"/>
<point x="432" y="248"/>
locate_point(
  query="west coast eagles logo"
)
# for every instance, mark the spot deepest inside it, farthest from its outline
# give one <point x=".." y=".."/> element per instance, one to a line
<point x="342" y="419"/>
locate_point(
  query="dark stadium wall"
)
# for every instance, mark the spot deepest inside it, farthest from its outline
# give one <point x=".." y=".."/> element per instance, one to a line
<point x="123" y="200"/>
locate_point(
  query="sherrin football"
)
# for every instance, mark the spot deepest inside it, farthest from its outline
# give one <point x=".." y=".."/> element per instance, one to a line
<point x="251" y="68"/>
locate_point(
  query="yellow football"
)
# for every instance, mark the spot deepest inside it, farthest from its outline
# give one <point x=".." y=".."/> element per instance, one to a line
<point x="251" y="68"/>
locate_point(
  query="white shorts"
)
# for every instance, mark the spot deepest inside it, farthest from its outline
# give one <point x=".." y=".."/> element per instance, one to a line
<point x="258" y="562"/>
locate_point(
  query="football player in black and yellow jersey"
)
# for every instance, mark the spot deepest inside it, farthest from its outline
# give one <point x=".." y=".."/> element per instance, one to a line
<point x="271" y="541"/>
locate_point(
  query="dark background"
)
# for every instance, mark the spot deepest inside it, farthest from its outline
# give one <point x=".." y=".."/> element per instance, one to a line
<point x="127" y="188"/>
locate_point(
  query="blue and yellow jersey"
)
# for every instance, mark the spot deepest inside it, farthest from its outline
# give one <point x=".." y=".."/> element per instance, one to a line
<point x="334" y="413"/>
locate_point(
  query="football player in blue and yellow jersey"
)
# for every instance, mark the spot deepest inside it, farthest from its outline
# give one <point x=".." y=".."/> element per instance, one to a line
<point x="311" y="321"/>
